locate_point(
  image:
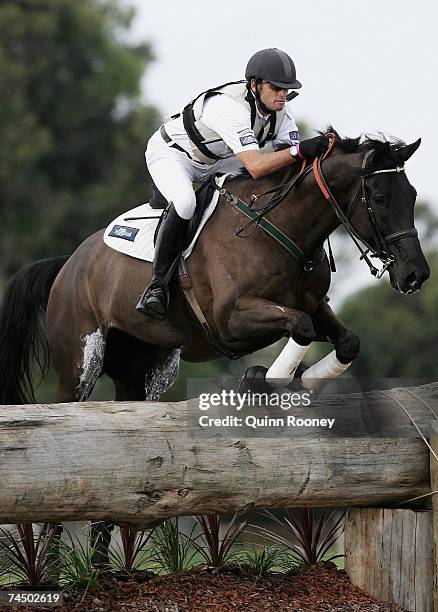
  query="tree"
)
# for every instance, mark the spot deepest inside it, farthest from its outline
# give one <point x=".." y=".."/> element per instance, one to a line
<point x="72" y="128"/>
<point x="401" y="332"/>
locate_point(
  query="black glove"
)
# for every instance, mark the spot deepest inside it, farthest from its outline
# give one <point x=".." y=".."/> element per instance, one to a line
<point x="314" y="147"/>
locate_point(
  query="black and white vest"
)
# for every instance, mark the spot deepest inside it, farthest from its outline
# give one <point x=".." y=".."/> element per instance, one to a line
<point x="200" y="135"/>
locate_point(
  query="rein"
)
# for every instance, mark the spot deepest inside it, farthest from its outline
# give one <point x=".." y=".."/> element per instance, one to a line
<point x="256" y="215"/>
<point x="257" y="218"/>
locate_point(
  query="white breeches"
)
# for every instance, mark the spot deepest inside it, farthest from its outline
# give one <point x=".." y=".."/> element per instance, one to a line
<point x="173" y="172"/>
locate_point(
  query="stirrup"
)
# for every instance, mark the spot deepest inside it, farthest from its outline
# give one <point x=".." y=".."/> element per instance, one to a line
<point x="154" y="302"/>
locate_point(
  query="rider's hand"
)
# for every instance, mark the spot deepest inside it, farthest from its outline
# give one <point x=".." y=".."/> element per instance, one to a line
<point x="314" y="147"/>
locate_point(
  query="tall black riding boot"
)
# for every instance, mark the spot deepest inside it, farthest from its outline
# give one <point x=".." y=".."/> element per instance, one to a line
<point x="170" y="241"/>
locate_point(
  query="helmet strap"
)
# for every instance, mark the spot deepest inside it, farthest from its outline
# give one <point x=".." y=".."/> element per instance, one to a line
<point x="256" y="95"/>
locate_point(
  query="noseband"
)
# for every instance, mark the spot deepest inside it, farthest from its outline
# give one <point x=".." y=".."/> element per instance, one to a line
<point x="383" y="240"/>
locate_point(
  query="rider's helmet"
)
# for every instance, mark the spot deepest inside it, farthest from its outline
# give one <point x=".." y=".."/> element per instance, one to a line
<point x="274" y="66"/>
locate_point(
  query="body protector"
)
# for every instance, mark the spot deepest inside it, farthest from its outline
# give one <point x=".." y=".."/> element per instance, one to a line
<point x="200" y="135"/>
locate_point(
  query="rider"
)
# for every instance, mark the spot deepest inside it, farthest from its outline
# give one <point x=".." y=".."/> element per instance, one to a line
<point x="225" y="129"/>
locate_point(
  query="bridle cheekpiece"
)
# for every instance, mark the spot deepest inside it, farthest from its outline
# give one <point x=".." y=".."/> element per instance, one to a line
<point x="384" y="252"/>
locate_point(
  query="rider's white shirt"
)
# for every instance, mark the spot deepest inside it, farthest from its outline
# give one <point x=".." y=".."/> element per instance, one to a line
<point x="174" y="172"/>
<point x="232" y="122"/>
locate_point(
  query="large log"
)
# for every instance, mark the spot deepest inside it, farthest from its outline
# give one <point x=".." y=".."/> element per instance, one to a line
<point x="138" y="462"/>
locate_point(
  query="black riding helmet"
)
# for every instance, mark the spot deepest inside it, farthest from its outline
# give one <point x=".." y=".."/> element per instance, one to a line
<point x="274" y="66"/>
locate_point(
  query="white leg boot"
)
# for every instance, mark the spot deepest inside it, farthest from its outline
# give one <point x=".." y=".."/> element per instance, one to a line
<point x="319" y="374"/>
<point x="282" y="370"/>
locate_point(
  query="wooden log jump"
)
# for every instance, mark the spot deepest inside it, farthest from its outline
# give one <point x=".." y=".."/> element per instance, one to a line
<point x="139" y="462"/>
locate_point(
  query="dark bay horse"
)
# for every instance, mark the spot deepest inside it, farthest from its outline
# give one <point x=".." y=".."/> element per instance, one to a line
<point x="251" y="291"/>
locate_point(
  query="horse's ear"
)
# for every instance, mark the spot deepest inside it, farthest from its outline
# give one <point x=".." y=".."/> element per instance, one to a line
<point x="406" y="152"/>
<point x="380" y="154"/>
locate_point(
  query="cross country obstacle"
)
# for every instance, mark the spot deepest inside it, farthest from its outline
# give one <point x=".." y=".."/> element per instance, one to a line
<point x="136" y="463"/>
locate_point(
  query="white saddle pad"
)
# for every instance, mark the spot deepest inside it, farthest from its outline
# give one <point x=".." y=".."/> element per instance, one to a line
<point x="132" y="233"/>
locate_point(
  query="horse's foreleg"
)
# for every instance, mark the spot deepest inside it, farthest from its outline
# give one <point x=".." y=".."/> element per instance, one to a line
<point x="252" y="314"/>
<point x="283" y="369"/>
<point x="345" y="342"/>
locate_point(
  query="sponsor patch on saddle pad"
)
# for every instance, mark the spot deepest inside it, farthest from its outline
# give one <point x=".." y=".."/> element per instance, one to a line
<point x="132" y="233"/>
<point x="122" y="231"/>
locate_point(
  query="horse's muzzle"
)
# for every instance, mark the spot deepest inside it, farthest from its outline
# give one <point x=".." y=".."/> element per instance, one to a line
<point x="408" y="277"/>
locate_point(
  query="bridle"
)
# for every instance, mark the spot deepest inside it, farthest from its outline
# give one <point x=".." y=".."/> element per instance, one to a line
<point x="383" y="240"/>
<point x="383" y="253"/>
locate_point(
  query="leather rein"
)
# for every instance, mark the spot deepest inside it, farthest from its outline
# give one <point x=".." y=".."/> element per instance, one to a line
<point x="257" y="215"/>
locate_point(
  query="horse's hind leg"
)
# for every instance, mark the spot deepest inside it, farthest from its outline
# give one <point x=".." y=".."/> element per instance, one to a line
<point x="126" y="362"/>
<point x="78" y="358"/>
<point x="140" y="371"/>
<point x="77" y="350"/>
<point x="76" y="336"/>
<point x="78" y="361"/>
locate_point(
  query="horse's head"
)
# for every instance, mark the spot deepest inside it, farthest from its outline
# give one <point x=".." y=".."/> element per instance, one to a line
<point x="382" y="213"/>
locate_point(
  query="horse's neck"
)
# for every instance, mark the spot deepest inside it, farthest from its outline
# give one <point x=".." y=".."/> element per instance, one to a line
<point x="306" y="216"/>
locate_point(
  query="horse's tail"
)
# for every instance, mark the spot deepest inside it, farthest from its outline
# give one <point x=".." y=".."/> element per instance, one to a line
<point x="23" y="342"/>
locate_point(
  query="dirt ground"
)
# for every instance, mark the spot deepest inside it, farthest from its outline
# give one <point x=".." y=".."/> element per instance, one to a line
<point x="321" y="588"/>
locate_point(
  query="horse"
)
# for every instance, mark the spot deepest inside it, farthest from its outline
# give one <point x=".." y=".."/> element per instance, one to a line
<point x="251" y="289"/>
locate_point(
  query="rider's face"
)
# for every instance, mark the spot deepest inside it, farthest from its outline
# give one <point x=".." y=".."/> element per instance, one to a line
<point x="274" y="98"/>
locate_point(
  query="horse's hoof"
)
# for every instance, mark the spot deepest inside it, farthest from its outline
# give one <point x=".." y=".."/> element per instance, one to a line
<point x="303" y="366"/>
<point x="254" y="379"/>
<point x="296" y="383"/>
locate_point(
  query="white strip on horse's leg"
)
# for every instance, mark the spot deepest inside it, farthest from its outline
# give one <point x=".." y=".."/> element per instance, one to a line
<point x="282" y="370"/>
<point x="323" y="370"/>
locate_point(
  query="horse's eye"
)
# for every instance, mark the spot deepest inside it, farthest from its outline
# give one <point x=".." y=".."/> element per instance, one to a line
<point x="380" y="199"/>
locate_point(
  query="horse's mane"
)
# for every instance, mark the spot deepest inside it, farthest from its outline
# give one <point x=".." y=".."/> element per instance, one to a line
<point x="378" y="144"/>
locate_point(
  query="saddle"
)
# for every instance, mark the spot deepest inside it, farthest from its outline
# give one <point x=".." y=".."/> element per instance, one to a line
<point x="132" y="232"/>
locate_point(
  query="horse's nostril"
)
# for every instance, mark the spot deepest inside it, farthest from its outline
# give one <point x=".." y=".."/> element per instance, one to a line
<point x="412" y="280"/>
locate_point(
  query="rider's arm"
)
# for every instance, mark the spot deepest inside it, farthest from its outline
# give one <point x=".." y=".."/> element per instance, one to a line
<point x="260" y="164"/>
<point x="231" y="121"/>
<point x="270" y="161"/>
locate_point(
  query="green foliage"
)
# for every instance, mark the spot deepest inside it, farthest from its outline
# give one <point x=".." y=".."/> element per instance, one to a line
<point x="310" y="533"/>
<point x="76" y="569"/>
<point x="264" y="559"/>
<point x="25" y="555"/>
<point x="216" y="550"/>
<point x="426" y="222"/>
<point x="72" y="128"/>
<point x="173" y="550"/>
<point x="399" y="332"/>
